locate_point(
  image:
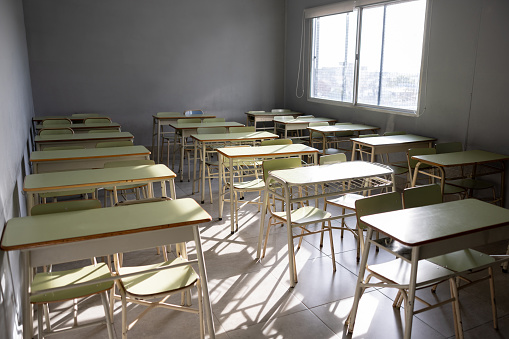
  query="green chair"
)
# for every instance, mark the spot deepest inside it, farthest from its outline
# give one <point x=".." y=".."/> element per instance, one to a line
<point x="85" y="115"/>
<point x="48" y="280"/>
<point x="209" y="120"/>
<point x="121" y="143"/>
<point x="466" y="262"/>
<point x="332" y="159"/>
<point x="316" y="138"/>
<point x="63" y="148"/>
<point x="397" y="271"/>
<point x="60" y="122"/>
<point x="178" y="142"/>
<point x="104" y="130"/>
<point x="276" y="142"/>
<point x="141" y="289"/>
<point x="123" y="190"/>
<point x="55" y="131"/>
<point x="97" y="121"/>
<point x="301" y="217"/>
<point x="394" y="133"/>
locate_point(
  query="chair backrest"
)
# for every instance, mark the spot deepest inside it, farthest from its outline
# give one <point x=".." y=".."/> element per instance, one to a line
<point x="193" y="112"/>
<point x="51" y="131"/>
<point x="344" y="133"/>
<point x="168" y="114"/>
<point x="368" y="135"/>
<point x="418" y="151"/>
<point x="380" y="203"/>
<point x="211" y="130"/>
<point x="189" y="121"/>
<point x="213" y="120"/>
<point x="65" y="206"/>
<point x="120" y="143"/>
<point x="97" y="121"/>
<point x="332" y="159"/>
<point x="85" y="115"/>
<point x="305" y="116"/>
<point x="62" y="148"/>
<point x="125" y="163"/>
<point x="343" y="123"/>
<point x="394" y="133"/>
<point x="448" y="147"/>
<point x="242" y="129"/>
<point x="279" y="164"/>
<point x="422" y="196"/>
<point x="321" y="123"/>
<point x="276" y="142"/>
<point x="56" y="122"/>
<point x="280" y="110"/>
<point x="104" y="130"/>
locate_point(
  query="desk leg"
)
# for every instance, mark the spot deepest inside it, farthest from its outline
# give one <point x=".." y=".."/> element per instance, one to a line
<point x="414" y="175"/>
<point x="30" y="202"/>
<point x="409" y="307"/>
<point x="354" y="147"/>
<point x="262" y="223"/>
<point x="158" y="141"/>
<point x="115" y="195"/>
<point x="359" y="289"/>
<point x="202" y="187"/>
<point x="194" y="162"/>
<point x="220" y="165"/>
<point x="203" y="276"/>
<point x="25" y="296"/>
<point x="182" y="153"/>
<point x="232" y="205"/>
<point x="291" y="253"/>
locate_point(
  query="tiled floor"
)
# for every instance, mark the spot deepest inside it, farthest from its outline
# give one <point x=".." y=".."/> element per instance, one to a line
<point x="252" y="298"/>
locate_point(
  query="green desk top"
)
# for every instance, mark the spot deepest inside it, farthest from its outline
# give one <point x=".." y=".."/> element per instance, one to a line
<point x="234" y="136"/>
<point x="176" y="125"/>
<point x="275" y="114"/>
<point x="303" y="120"/>
<point x="329" y="173"/>
<point x="342" y="128"/>
<point x="83" y="126"/>
<point x="460" y="158"/>
<point x="87" y="153"/>
<point x="83" y="136"/>
<point x="45" y="182"/>
<point x="391" y="140"/>
<point x="68" y="227"/>
<point x="421" y="225"/>
<point x="259" y="151"/>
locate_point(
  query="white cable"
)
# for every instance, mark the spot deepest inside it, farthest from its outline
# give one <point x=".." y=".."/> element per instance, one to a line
<point x="301" y="56"/>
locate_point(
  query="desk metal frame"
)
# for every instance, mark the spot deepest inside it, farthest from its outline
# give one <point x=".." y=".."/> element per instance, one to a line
<point x="254" y="155"/>
<point x="255" y="117"/>
<point x="297" y="124"/>
<point x="304" y="184"/>
<point x="326" y="130"/>
<point x="450" y="227"/>
<point x="390" y="144"/>
<point x="91" y="233"/>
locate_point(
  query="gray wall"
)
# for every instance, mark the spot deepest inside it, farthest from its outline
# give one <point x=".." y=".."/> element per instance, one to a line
<point x="130" y="59"/>
<point x="468" y="77"/>
<point x="16" y="112"/>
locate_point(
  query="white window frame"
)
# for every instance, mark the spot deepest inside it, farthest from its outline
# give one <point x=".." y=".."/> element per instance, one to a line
<point x="359" y="5"/>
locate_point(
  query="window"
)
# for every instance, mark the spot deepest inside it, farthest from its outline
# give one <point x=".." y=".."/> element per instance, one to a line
<point x="388" y="41"/>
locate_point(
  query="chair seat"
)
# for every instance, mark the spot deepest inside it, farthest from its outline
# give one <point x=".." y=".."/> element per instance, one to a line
<point x="152" y="284"/>
<point x="47" y="280"/>
<point x="398" y="272"/>
<point x="256" y="184"/>
<point x="463" y="260"/>
<point x="398" y="169"/>
<point x="304" y="215"/>
<point x="470" y="183"/>
<point x="67" y="193"/>
<point x="450" y="189"/>
<point x="347" y="201"/>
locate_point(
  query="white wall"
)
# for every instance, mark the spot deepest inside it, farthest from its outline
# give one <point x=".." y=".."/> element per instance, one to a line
<point x="16" y="112"/>
<point x="130" y="59"/>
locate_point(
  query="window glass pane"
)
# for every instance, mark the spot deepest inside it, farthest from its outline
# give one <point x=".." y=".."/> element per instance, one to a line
<point x="333" y="57"/>
<point x="390" y="55"/>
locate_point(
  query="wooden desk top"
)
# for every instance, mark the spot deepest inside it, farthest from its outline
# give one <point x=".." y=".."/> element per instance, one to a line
<point x="260" y="151"/>
<point x="52" y="181"/>
<point x="79" y="126"/>
<point x="234" y="136"/>
<point x="59" y="228"/>
<point x="422" y="225"/>
<point x="303" y="120"/>
<point x="176" y="125"/>
<point x="460" y="158"/>
<point x="87" y="153"/>
<point x="392" y="140"/>
<point x="82" y="137"/>
<point x="328" y="173"/>
<point x="342" y="128"/>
